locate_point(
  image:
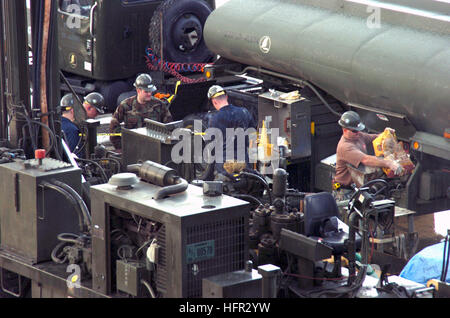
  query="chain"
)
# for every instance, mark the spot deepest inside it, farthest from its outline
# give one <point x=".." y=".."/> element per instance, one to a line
<point x="154" y="63"/>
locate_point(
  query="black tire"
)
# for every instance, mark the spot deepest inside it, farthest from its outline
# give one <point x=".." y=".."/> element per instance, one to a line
<point x="125" y="95"/>
<point x="111" y="92"/>
<point x="180" y="18"/>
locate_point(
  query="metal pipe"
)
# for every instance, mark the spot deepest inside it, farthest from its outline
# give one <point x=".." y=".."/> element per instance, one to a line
<point x="180" y="186"/>
<point x="43" y="72"/>
<point x="134" y="168"/>
<point x="3" y="109"/>
<point x="351" y="247"/>
<point x="16" y="50"/>
<point x="160" y="175"/>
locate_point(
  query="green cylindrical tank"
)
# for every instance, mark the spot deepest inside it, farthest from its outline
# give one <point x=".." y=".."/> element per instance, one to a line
<point x="383" y="55"/>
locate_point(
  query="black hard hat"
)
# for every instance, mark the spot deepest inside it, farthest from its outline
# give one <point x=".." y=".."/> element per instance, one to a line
<point x="145" y="82"/>
<point x="351" y="120"/>
<point x="96" y="100"/>
<point x="67" y="101"/>
<point x="215" y="91"/>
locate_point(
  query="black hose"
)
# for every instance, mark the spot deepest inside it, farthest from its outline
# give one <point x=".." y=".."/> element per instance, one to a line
<point x="79" y="200"/>
<point x="247" y="197"/>
<point x="293" y="79"/>
<point x="446" y="258"/>
<point x="69" y="238"/>
<point x="368" y="184"/>
<point x="180" y="186"/>
<point x="116" y="162"/>
<point x="30" y="131"/>
<point x="52" y="135"/>
<point x="70" y="198"/>
<point x="102" y="171"/>
<point x="57" y="257"/>
<point x="264" y="182"/>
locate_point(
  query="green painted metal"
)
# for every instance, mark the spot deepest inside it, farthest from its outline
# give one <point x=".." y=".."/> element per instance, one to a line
<point x="386" y="55"/>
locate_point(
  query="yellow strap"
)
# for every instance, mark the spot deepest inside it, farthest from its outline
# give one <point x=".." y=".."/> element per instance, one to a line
<point x="176" y="91"/>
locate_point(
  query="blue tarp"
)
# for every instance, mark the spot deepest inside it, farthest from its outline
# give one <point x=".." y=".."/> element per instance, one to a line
<point x="426" y="265"/>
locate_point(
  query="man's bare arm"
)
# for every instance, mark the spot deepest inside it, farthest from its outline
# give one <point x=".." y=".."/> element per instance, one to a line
<point x="373" y="161"/>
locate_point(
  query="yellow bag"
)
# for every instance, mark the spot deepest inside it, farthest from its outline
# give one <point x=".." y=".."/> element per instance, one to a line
<point x="386" y="145"/>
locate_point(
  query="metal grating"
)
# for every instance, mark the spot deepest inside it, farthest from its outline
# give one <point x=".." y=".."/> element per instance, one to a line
<point x="229" y="251"/>
<point x="161" y="281"/>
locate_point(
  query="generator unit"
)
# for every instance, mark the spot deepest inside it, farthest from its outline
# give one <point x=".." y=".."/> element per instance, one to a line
<point x="152" y="142"/>
<point x="165" y="244"/>
<point x="34" y="209"/>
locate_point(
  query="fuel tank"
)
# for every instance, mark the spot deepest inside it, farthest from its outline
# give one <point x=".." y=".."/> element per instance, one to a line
<point x="391" y="55"/>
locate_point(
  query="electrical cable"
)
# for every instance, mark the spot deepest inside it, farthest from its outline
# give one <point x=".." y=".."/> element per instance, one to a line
<point x="345" y="290"/>
<point x="77" y="150"/>
<point x="114" y="160"/>
<point x="143" y="245"/>
<point x="28" y="120"/>
<point x="52" y="135"/>
<point x="149" y="288"/>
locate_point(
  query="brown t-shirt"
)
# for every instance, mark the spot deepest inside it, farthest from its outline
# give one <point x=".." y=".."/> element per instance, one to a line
<point x="350" y="151"/>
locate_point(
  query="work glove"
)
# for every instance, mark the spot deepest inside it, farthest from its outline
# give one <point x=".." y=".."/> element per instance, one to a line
<point x="397" y="168"/>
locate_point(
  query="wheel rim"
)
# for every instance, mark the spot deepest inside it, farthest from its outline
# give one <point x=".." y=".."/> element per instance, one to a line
<point x="187" y="33"/>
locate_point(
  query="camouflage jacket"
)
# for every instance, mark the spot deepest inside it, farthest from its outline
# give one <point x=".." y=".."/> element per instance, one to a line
<point x="132" y="114"/>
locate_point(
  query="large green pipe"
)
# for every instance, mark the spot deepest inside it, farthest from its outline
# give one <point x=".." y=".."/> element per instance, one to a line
<point x="401" y="65"/>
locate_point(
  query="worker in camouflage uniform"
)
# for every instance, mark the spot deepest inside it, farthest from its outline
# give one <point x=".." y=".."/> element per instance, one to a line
<point x="132" y="111"/>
